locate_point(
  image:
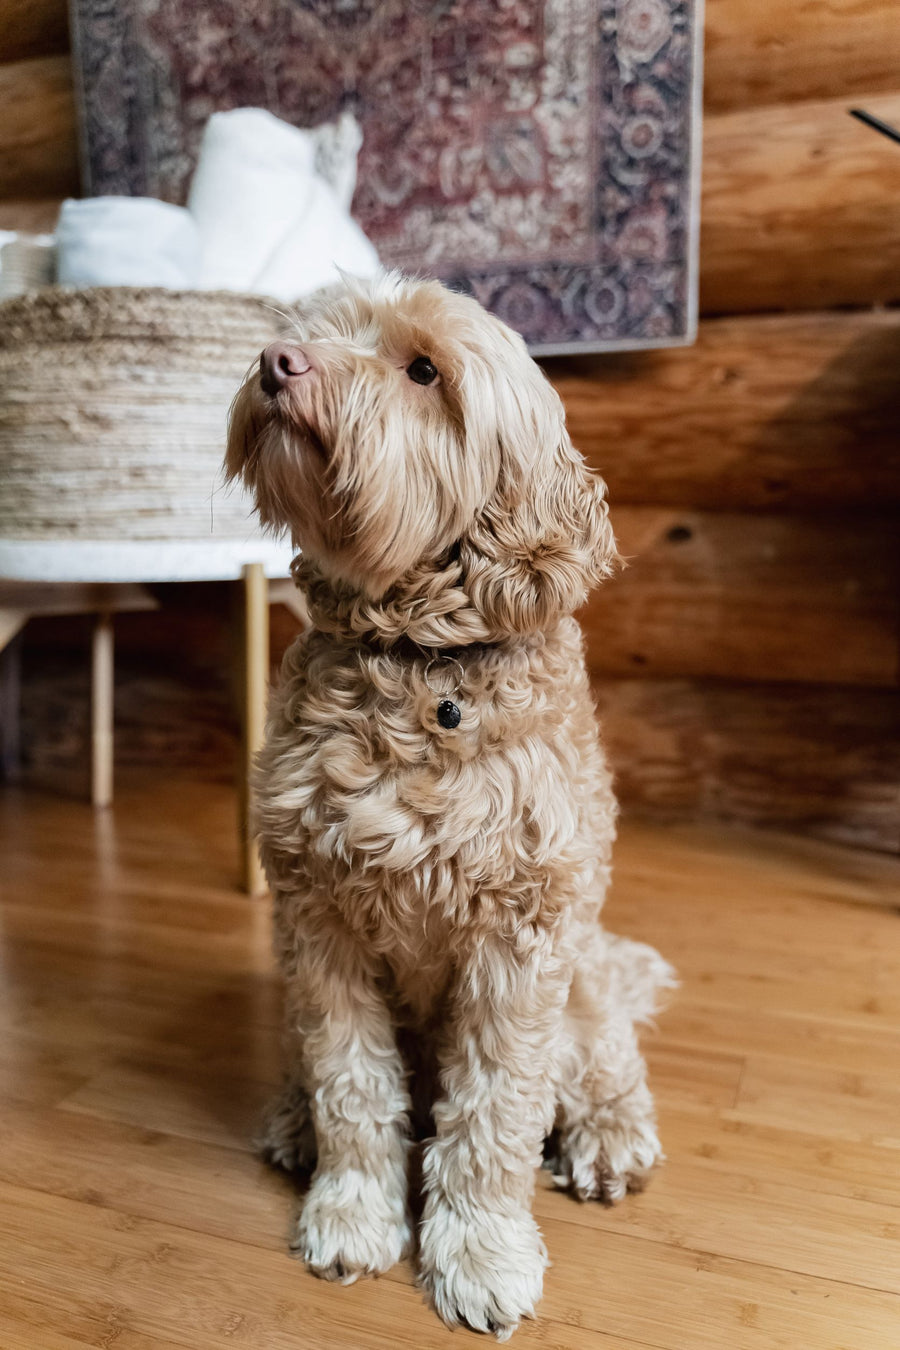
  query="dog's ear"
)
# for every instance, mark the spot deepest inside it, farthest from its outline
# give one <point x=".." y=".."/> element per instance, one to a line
<point x="543" y="541"/>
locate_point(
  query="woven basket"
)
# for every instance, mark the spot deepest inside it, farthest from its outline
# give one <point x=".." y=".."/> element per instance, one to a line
<point x="113" y="407"/>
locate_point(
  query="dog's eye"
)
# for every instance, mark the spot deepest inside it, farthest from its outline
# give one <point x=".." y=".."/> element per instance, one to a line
<point x="422" y="371"/>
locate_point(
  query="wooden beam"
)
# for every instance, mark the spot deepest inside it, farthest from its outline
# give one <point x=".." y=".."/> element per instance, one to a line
<point x="75" y="597"/>
<point x="33" y="217"/>
<point x="824" y="762"/>
<point x="754" y="597"/>
<point x="38" y="137"/>
<point x="783" y="411"/>
<point x="799" y="208"/>
<point x="283" y="591"/>
<point x="33" y="28"/>
<point x="759" y="53"/>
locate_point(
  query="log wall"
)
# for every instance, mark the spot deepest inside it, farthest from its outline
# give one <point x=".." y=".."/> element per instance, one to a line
<point x="747" y="659"/>
<point x="763" y="54"/>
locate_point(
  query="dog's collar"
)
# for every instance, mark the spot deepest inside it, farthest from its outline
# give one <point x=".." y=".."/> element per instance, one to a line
<point x="429" y="610"/>
<point x="416" y="625"/>
<point x="406" y="648"/>
<point x="450" y="659"/>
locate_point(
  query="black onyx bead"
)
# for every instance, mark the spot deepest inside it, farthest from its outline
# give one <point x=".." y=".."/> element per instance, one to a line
<point x="448" y="714"/>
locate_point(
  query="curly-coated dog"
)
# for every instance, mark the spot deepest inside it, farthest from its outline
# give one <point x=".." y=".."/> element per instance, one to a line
<point x="434" y="809"/>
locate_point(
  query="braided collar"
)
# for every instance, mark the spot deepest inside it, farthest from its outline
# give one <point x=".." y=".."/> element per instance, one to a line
<point x="425" y="615"/>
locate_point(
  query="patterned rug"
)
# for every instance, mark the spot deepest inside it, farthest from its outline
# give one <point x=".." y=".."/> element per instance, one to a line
<point x="539" y="154"/>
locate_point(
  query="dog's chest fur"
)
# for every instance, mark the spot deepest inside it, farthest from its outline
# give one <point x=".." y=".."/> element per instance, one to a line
<point x="421" y="838"/>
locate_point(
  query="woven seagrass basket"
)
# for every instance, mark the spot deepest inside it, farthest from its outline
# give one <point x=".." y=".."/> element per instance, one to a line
<point x="113" y="408"/>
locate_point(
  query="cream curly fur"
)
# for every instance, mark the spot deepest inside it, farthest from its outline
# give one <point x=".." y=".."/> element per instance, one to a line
<point x="440" y="889"/>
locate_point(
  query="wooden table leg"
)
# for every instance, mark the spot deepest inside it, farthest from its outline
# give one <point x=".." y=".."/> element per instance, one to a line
<point x="102" y="682"/>
<point x="255" y="683"/>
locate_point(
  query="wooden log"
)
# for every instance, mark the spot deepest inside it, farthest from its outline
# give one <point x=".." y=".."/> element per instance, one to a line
<point x="32" y="598"/>
<point x="34" y="217"/>
<point x="822" y="761"/>
<point x="38" y="137"/>
<point x="33" y="28"/>
<point x="762" y="53"/>
<point x="799" y="208"/>
<point x="798" y="412"/>
<point x="740" y="596"/>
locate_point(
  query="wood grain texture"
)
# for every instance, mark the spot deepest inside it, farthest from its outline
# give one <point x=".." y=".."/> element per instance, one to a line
<point x="33" y="217"/>
<point x="757" y="52"/>
<point x="139" y="1019"/>
<point x="173" y="698"/>
<point x="799" y="208"/>
<point x="784" y="411"/>
<point x="33" y="28"/>
<point x="821" y="761"/>
<point x="750" y="596"/>
<point x="38" y="137"/>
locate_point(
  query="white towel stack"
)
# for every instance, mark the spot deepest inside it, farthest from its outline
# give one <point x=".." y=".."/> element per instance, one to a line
<point x="268" y="213"/>
<point x="268" y="222"/>
<point x="127" y="241"/>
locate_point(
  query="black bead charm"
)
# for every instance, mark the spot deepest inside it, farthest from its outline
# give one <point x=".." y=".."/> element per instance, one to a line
<point x="448" y="714"/>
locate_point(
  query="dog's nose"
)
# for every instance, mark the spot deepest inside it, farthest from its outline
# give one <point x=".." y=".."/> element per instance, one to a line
<point x="279" y="364"/>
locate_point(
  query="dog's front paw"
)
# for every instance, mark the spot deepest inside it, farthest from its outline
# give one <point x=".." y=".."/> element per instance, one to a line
<point x="351" y="1227"/>
<point x="605" y="1161"/>
<point x="481" y="1270"/>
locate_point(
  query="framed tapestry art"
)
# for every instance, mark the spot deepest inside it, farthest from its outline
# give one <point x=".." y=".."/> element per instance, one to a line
<point x="540" y="154"/>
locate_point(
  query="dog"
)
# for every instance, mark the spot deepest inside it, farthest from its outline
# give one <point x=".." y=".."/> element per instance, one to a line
<point x="434" y="810"/>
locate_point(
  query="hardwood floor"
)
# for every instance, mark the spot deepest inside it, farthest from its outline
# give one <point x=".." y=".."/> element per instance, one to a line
<point x="139" y="1039"/>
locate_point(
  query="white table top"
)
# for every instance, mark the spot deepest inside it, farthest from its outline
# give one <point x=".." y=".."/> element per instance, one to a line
<point x="140" y="559"/>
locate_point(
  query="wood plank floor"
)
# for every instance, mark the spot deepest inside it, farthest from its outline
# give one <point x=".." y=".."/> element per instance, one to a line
<point x="138" y="1040"/>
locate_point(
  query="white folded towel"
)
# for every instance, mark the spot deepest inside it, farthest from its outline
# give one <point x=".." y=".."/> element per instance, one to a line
<point x="337" y="147"/>
<point x="127" y="241"/>
<point x="323" y="242"/>
<point x="268" y="222"/>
